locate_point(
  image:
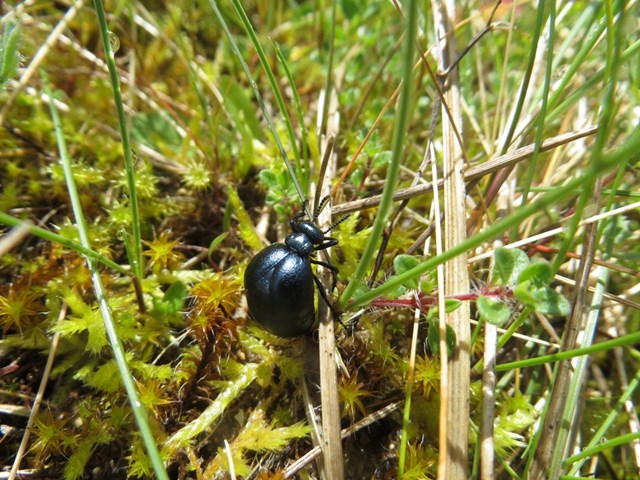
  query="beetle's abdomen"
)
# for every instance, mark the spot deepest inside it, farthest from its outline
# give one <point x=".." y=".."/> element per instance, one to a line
<point x="279" y="285"/>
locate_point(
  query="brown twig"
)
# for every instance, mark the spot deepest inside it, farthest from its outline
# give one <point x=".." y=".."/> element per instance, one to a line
<point x="471" y="174"/>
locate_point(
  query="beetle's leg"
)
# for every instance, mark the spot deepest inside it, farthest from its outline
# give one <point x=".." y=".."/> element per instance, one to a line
<point x="330" y="266"/>
<point x="323" y="294"/>
<point x="327" y="243"/>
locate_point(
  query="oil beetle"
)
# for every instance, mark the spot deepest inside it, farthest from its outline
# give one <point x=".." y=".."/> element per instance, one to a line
<point x="279" y="280"/>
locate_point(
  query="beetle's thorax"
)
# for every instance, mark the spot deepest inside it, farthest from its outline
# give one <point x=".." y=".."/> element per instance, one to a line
<point x="299" y="243"/>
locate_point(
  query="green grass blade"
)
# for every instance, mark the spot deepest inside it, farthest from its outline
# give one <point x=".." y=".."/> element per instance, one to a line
<point x="54" y="237"/>
<point x="591" y="35"/>
<point x="488" y="234"/>
<point x="136" y="261"/>
<point x="399" y="135"/>
<point x="254" y="85"/>
<point x="606" y="445"/>
<point x="139" y="411"/>
<point x="540" y="130"/>
<point x="570" y="98"/>
<point x="604" y="427"/>
<point x="329" y="85"/>
<point x="526" y="77"/>
<point x="304" y="148"/>
<point x="578" y="352"/>
<point x="270" y="77"/>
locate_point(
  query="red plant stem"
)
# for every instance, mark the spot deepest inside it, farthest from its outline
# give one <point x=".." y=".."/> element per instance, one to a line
<point x="425" y="302"/>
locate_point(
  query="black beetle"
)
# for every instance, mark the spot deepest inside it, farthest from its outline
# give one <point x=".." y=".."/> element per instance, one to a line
<point x="279" y="280"/>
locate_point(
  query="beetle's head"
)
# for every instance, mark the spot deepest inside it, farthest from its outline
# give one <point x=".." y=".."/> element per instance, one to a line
<point x="310" y="230"/>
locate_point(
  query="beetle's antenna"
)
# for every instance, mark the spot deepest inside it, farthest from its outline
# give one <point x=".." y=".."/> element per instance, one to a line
<point x="321" y="205"/>
<point x="337" y="223"/>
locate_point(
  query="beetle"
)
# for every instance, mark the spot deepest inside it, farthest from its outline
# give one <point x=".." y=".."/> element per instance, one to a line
<point x="279" y="280"/>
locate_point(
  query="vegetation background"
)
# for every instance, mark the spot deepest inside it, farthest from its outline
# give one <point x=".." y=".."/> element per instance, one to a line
<point x="149" y="150"/>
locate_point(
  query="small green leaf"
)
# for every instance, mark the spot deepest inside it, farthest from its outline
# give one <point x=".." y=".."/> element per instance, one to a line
<point x="433" y="338"/>
<point x="217" y="241"/>
<point x="361" y="288"/>
<point x="155" y="131"/>
<point x="172" y="301"/>
<point x="551" y="302"/>
<point x="509" y="262"/>
<point x="356" y="176"/>
<point x="403" y="263"/>
<point x="450" y="305"/>
<point x="493" y="311"/>
<point x="524" y="293"/>
<point x="269" y="178"/>
<point x="543" y="300"/>
<point x="382" y="159"/>
<point x="397" y="291"/>
<point x="538" y="274"/>
<point x="9" y="56"/>
<point x="350" y="8"/>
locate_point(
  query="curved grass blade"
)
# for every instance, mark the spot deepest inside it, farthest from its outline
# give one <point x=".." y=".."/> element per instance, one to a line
<point x="136" y="261"/>
<point x="254" y="85"/>
<point x="54" y="237"/>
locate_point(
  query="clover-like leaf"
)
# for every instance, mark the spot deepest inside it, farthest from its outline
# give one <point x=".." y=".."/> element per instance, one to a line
<point x="509" y="263"/>
<point x="493" y="311"/>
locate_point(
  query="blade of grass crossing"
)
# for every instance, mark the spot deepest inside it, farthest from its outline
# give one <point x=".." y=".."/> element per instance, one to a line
<point x="54" y="237"/>
<point x="570" y="98"/>
<point x="606" y="445"/>
<point x="488" y="234"/>
<point x="607" y="232"/>
<point x="397" y="148"/>
<point x="195" y="81"/>
<point x="136" y="261"/>
<point x="622" y="341"/>
<point x="583" y="27"/>
<point x="575" y="398"/>
<point x="598" y="162"/>
<point x="613" y="48"/>
<point x="614" y="37"/>
<point x="591" y="34"/>
<point x="139" y="411"/>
